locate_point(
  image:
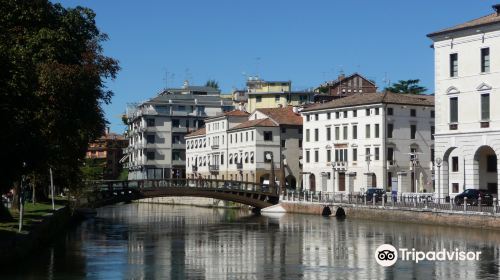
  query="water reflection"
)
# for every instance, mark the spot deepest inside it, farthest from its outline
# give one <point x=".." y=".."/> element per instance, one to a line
<point x="150" y="241"/>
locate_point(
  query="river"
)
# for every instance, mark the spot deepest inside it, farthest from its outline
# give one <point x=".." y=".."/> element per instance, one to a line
<point x="152" y="241"/>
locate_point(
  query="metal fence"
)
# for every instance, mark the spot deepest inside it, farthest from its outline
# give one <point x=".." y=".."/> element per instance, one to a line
<point x="417" y="201"/>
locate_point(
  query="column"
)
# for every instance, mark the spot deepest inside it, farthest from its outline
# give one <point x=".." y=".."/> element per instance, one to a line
<point x="401" y="182"/>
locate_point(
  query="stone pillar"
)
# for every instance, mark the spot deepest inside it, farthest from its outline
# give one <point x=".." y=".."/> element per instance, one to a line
<point x="336" y="183"/>
<point x="401" y="182"/>
<point x="471" y="171"/>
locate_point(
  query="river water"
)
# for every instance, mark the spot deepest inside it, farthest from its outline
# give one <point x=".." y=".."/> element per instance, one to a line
<point x="152" y="241"/>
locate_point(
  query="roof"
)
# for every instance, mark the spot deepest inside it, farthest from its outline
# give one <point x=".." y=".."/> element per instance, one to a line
<point x="279" y="92"/>
<point x="256" y="123"/>
<point x="341" y="79"/>
<point x="198" y="132"/>
<point x="282" y="116"/>
<point x="482" y="21"/>
<point x="374" y="98"/>
<point x="233" y="113"/>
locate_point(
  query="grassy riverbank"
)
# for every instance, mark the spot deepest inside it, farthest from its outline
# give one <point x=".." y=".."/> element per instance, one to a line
<point x="33" y="214"/>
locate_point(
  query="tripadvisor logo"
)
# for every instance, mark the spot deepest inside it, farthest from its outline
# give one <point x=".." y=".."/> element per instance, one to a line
<point x="387" y="255"/>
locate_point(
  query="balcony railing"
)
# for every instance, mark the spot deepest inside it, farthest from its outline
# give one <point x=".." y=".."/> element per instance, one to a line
<point x="239" y="165"/>
<point x="194" y="168"/>
<point x="391" y="163"/>
<point x="213" y="167"/>
<point x="215" y="147"/>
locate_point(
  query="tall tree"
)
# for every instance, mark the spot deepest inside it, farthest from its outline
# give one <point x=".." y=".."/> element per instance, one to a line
<point x="212" y="83"/>
<point x="52" y="88"/>
<point x="408" y="86"/>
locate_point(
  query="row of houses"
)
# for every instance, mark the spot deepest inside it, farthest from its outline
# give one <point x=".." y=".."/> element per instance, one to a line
<point x="342" y="137"/>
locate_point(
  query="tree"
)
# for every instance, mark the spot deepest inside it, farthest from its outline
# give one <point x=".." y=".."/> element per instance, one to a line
<point x="408" y="86"/>
<point x="52" y="88"/>
<point x="212" y="83"/>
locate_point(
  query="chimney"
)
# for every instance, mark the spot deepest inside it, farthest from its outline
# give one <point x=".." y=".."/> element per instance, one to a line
<point x="295" y="109"/>
<point x="496" y="7"/>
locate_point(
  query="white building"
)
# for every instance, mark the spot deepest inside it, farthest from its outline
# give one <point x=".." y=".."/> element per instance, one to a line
<point x="156" y="130"/>
<point x="234" y="146"/>
<point x="467" y="126"/>
<point x="365" y="140"/>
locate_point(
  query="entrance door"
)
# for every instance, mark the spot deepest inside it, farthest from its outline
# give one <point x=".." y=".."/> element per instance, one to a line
<point x="341" y="182"/>
<point x="324" y="182"/>
<point x="374" y="180"/>
<point x="312" y="183"/>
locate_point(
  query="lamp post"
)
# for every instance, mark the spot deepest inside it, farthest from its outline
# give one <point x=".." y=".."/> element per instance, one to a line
<point x="414" y="163"/>
<point x="438" y="165"/>
<point x="269" y="156"/>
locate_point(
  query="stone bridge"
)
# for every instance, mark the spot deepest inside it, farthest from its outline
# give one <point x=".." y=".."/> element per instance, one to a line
<point x="101" y="193"/>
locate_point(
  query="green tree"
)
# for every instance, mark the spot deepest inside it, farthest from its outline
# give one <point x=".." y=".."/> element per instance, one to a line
<point x="52" y="88"/>
<point x="408" y="86"/>
<point x="212" y="83"/>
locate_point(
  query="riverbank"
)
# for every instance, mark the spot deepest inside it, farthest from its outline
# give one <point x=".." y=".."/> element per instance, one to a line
<point x="403" y="215"/>
<point x="43" y="226"/>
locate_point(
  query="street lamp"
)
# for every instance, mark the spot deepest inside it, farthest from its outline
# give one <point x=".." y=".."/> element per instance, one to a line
<point x="269" y="157"/>
<point x="414" y="163"/>
<point x="438" y="165"/>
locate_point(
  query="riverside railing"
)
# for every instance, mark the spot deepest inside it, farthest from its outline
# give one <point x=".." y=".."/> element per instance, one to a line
<point x="416" y="201"/>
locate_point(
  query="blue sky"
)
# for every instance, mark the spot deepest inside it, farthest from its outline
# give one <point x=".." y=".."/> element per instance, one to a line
<point x="306" y="42"/>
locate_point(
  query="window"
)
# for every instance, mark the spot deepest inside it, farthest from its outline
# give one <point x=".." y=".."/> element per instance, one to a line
<point x="150" y="155"/>
<point x="308" y="156"/>
<point x="367" y="131"/>
<point x="377" y="153"/>
<point x="300" y="143"/>
<point x="354" y="132"/>
<point x="390" y="129"/>
<point x="354" y="154"/>
<point x="181" y="108"/>
<point x="308" y="118"/>
<point x="377" y="130"/>
<point x="453" y="109"/>
<point x="150" y="139"/>
<point x="367" y="112"/>
<point x="316" y="134"/>
<point x="300" y="130"/>
<point x="485" y="60"/>
<point x="268" y="136"/>
<point x="328" y="155"/>
<point x="337" y="115"/>
<point x="354" y="113"/>
<point x="150" y="122"/>
<point x="258" y="98"/>
<point x="345" y="114"/>
<point x="433" y="114"/>
<point x="316" y="117"/>
<point x="367" y="154"/>
<point x="413" y="131"/>
<point x="283" y="142"/>
<point x="433" y="131"/>
<point x="390" y="111"/>
<point x="413" y="113"/>
<point x="390" y="154"/>
<point x="222" y="159"/>
<point x="454" y="164"/>
<point x="453" y="65"/>
<point x="277" y="98"/>
<point x="491" y="163"/>
<point x="337" y="133"/>
<point x="328" y="116"/>
<point x="454" y="187"/>
<point x="316" y="156"/>
<point x="176" y="123"/>
<point x="345" y="133"/>
<point x="377" y="111"/>
<point x="252" y="136"/>
<point x="283" y="130"/>
<point x="328" y="133"/>
<point x="307" y="135"/>
<point x="485" y="107"/>
<point x="230" y="139"/>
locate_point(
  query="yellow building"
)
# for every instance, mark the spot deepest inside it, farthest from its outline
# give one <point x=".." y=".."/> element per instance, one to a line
<point x="258" y="100"/>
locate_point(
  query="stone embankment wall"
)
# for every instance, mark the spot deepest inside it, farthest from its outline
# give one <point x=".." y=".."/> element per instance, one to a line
<point x="418" y="216"/>
<point x="192" y="201"/>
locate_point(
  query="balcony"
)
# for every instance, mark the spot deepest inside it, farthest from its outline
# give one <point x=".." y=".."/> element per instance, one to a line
<point x="215" y="147"/>
<point x="239" y="166"/>
<point x="178" y="146"/>
<point x="391" y="163"/>
<point x="340" y="165"/>
<point x="194" y="168"/>
<point x="453" y="126"/>
<point x="213" y="168"/>
<point x="180" y="129"/>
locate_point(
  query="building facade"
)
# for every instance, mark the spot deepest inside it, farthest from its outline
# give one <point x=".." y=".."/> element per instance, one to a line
<point x="108" y="150"/>
<point x="344" y="86"/>
<point x="246" y="147"/>
<point x="156" y="129"/>
<point x="369" y="140"/>
<point x="467" y="126"/>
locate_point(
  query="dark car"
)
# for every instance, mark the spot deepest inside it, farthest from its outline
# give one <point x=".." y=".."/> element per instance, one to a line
<point x="378" y="192"/>
<point x="473" y="196"/>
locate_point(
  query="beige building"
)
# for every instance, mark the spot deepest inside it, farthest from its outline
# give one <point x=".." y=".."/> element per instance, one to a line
<point x="246" y="147"/>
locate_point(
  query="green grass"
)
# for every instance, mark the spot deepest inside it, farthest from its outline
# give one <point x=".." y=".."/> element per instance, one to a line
<point x="33" y="213"/>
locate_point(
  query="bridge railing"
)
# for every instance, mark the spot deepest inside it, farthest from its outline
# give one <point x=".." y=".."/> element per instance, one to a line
<point x="208" y="184"/>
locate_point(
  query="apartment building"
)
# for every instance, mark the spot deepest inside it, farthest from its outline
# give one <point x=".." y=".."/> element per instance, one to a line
<point x="108" y="150"/>
<point x="248" y="147"/>
<point x="156" y="129"/>
<point x="369" y="140"/>
<point x="467" y="79"/>
<point x="344" y="86"/>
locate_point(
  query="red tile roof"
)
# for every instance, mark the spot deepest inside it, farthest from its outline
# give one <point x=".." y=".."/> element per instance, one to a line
<point x="485" y="20"/>
<point x="233" y="113"/>
<point x="198" y="132"/>
<point x="256" y="123"/>
<point x="282" y="116"/>
<point x="374" y="98"/>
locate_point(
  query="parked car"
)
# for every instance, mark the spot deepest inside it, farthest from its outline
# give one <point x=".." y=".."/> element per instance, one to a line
<point x="374" y="191"/>
<point x="473" y="196"/>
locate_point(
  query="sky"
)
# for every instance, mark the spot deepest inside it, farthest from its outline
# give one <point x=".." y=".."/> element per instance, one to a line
<point x="161" y="43"/>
